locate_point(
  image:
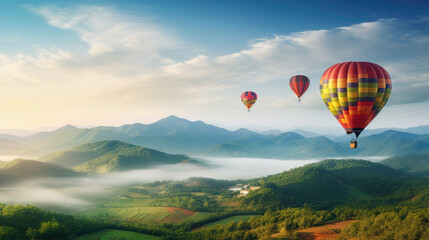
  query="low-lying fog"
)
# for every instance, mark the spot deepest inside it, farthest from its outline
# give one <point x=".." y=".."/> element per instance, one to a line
<point x="75" y="193"/>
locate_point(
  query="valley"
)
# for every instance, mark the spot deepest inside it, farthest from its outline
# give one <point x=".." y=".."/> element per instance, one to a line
<point x="136" y="192"/>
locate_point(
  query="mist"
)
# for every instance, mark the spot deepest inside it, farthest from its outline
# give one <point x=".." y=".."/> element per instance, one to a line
<point x="76" y="193"/>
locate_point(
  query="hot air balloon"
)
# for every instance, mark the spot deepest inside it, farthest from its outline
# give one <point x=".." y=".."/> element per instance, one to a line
<point x="248" y="98"/>
<point x="355" y="93"/>
<point x="299" y="85"/>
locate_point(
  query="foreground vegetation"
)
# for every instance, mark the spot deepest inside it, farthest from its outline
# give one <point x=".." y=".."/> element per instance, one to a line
<point x="28" y="222"/>
<point x="386" y="204"/>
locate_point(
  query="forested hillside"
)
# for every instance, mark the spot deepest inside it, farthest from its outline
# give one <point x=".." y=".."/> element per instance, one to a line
<point x="109" y="156"/>
<point x="20" y="170"/>
<point x="417" y="164"/>
<point x="331" y="182"/>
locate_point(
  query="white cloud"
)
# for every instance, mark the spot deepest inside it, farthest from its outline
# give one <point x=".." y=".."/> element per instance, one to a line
<point x="126" y="74"/>
<point x="389" y="43"/>
<point x="107" y="30"/>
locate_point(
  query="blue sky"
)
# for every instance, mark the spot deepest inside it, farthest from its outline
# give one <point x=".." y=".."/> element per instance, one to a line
<point x="119" y="62"/>
<point x="211" y="23"/>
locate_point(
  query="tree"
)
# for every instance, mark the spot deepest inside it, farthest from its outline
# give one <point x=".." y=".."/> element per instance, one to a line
<point x="53" y="230"/>
<point x="9" y="233"/>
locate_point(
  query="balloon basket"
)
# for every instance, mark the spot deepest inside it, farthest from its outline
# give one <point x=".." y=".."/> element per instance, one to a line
<point x="353" y="143"/>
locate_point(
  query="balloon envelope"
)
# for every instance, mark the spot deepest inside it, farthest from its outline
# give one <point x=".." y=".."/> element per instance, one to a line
<point x="249" y="98"/>
<point x="355" y="93"/>
<point x="299" y="84"/>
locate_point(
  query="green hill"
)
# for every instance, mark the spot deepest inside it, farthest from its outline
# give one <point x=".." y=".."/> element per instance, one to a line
<point x="308" y="184"/>
<point x="348" y="168"/>
<point x="20" y="170"/>
<point x="417" y="164"/>
<point x="326" y="184"/>
<point x="109" y="156"/>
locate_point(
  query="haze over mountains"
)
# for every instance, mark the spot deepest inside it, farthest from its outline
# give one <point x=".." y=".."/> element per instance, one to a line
<point x="177" y="135"/>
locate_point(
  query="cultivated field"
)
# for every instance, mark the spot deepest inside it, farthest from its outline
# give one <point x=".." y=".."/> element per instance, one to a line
<point x="324" y="232"/>
<point x="135" y="210"/>
<point x="127" y="214"/>
<point x="228" y="220"/>
<point x="178" y="214"/>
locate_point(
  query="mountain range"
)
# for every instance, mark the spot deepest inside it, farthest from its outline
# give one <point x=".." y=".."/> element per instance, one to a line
<point x="177" y="135"/>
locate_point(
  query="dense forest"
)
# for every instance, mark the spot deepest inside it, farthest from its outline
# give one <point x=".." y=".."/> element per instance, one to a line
<point x="28" y="222"/>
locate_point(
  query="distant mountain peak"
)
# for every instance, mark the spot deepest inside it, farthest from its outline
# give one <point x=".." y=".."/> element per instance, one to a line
<point x="67" y="127"/>
<point x="290" y="134"/>
<point x="173" y="117"/>
<point x="133" y="124"/>
<point x="243" y="130"/>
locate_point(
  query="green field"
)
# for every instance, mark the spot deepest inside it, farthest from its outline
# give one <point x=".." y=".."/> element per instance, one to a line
<point x="106" y="233"/>
<point x="126" y="209"/>
<point x="228" y="220"/>
<point x="128" y="214"/>
<point x="126" y="202"/>
<point x="199" y="216"/>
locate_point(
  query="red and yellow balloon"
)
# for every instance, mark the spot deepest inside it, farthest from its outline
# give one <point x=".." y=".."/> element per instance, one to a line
<point x="299" y="84"/>
<point x="249" y="98"/>
<point x="355" y="93"/>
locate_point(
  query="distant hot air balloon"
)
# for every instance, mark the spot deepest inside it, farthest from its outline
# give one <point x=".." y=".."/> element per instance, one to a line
<point x="248" y="98"/>
<point x="355" y="93"/>
<point x="299" y="85"/>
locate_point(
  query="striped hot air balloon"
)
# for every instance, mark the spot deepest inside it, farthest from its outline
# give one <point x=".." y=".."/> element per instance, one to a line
<point x="299" y="85"/>
<point x="355" y="93"/>
<point x="248" y="98"/>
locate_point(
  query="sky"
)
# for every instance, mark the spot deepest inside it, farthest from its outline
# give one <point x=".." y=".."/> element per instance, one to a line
<point x="90" y="63"/>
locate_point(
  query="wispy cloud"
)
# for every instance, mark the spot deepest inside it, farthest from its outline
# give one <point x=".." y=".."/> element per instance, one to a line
<point x="127" y="72"/>
<point x="106" y="30"/>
